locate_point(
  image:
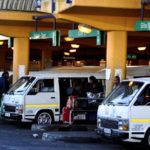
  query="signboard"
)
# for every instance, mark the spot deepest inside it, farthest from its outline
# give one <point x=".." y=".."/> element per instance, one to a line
<point x="78" y="34"/>
<point x="38" y="4"/>
<point x="53" y="5"/>
<point x="132" y="56"/>
<point x="69" y="1"/>
<point x="53" y="34"/>
<point x="142" y="25"/>
<point x="21" y="70"/>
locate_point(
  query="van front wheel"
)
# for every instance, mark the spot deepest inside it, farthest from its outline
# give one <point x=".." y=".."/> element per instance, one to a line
<point x="44" y="118"/>
<point x="147" y="139"/>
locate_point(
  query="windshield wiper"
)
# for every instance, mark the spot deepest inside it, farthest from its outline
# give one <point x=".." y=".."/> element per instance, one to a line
<point x="121" y="103"/>
<point x="18" y="91"/>
<point x="109" y="103"/>
<point x="10" y="92"/>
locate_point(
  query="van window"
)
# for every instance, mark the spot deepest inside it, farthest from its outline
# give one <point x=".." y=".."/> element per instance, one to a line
<point x="45" y="85"/>
<point x="144" y="97"/>
<point x="124" y="93"/>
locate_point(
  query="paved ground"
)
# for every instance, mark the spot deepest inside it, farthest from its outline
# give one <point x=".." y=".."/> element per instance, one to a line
<point x="18" y="136"/>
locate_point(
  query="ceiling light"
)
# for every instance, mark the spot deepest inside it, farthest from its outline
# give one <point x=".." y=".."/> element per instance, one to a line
<point x="72" y="50"/>
<point x="66" y="54"/>
<point x="1" y="42"/>
<point x="142" y="48"/>
<point x="68" y="39"/>
<point x="3" y="37"/>
<point x="75" y="45"/>
<point x="84" y="28"/>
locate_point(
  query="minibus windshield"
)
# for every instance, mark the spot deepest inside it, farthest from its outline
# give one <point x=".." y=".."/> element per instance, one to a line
<point x="21" y="85"/>
<point x="124" y="93"/>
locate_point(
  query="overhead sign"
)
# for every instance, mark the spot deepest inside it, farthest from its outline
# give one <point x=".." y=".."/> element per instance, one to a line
<point x="142" y="25"/>
<point x="78" y="34"/>
<point x="53" y="34"/>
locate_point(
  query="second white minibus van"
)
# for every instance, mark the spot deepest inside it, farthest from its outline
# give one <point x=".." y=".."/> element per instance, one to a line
<point x="125" y="113"/>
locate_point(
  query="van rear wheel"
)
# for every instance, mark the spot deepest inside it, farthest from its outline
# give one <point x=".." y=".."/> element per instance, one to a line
<point x="44" y="118"/>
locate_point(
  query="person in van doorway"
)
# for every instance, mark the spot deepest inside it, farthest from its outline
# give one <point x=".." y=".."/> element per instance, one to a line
<point x="116" y="81"/>
<point x="4" y="83"/>
<point x="93" y="86"/>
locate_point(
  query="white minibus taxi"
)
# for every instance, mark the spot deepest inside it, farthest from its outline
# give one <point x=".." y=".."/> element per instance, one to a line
<point x="125" y="112"/>
<point x="41" y="96"/>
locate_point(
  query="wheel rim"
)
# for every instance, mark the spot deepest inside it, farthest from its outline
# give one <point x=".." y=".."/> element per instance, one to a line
<point x="44" y="118"/>
<point x="148" y="140"/>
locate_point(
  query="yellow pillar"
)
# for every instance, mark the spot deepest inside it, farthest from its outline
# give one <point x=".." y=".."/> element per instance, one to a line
<point x="20" y="56"/>
<point x="116" y="56"/>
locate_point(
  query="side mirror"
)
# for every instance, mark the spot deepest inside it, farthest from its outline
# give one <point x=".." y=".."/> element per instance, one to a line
<point x="33" y="91"/>
<point x="139" y="101"/>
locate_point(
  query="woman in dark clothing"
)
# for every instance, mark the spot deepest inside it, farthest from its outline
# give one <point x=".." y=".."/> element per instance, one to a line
<point x="94" y="86"/>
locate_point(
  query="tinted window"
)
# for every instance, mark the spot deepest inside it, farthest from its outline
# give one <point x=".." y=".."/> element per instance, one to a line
<point x="144" y="98"/>
<point x="45" y="85"/>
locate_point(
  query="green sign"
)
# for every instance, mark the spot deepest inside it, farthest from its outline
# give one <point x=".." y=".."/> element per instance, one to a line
<point x="78" y="34"/>
<point x="132" y="56"/>
<point x="53" y="34"/>
<point x="142" y="25"/>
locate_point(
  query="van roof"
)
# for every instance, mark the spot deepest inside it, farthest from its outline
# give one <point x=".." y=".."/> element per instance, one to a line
<point x="85" y="71"/>
<point x="143" y="79"/>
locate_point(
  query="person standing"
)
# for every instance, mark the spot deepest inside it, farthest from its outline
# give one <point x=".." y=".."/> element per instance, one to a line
<point x="116" y="81"/>
<point x="4" y="83"/>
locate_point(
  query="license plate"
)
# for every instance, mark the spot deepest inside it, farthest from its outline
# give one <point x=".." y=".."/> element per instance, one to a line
<point x="80" y="117"/>
<point x="107" y="131"/>
<point x="7" y="114"/>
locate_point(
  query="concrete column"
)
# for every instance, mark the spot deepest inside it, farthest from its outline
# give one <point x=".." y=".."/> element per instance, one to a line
<point x="20" y="56"/>
<point x="2" y="59"/>
<point x="116" y="56"/>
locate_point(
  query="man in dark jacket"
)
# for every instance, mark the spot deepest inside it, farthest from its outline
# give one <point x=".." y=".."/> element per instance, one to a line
<point x="4" y="83"/>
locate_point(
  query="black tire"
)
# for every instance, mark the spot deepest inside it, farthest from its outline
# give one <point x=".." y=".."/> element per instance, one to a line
<point x="44" y="118"/>
<point x="147" y="140"/>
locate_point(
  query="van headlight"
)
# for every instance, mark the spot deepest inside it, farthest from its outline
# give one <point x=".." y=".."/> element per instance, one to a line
<point x="19" y="108"/>
<point x="123" y="125"/>
<point x="98" y="122"/>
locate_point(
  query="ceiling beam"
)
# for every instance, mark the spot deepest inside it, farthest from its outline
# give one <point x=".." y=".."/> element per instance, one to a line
<point x="129" y="4"/>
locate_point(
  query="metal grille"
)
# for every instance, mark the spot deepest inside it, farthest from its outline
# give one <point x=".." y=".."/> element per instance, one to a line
<point x="18" y="5"/>
<point x="10" y="108"/>
<point x="106" y="123"/>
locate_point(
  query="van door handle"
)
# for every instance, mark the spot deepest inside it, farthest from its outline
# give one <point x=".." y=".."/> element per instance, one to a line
<point x="52" y="97"/>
